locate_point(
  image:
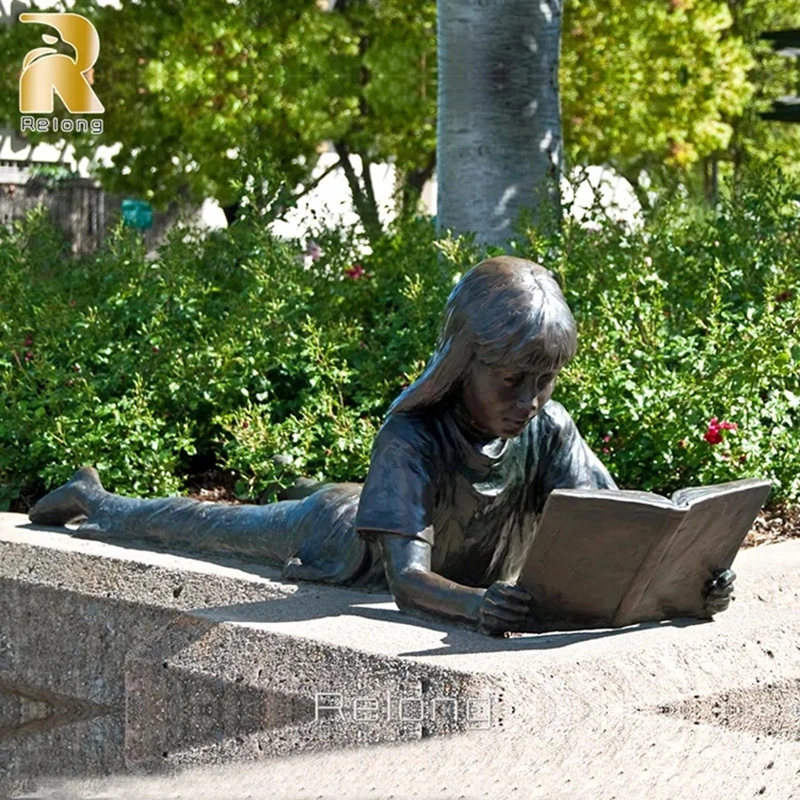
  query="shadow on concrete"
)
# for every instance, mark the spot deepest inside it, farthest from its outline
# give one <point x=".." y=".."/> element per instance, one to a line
<point x="325" y="602"/>
<point x="469" y="641"/>
<point x="318" y="601"/>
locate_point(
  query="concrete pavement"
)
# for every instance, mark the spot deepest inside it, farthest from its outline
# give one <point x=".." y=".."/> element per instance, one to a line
<point x="140" y="664"/>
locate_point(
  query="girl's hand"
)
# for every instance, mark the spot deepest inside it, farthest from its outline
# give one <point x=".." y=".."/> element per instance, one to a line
<point x="503" y="607"/>
<point x="718" y="590"/>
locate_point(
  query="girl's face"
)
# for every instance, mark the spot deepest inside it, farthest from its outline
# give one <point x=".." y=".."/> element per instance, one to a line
<point x="502" y="400"/>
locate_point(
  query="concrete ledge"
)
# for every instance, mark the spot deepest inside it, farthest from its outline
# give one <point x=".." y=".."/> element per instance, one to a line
<point x="145" y="660"/>
<point x="116" y="660"/>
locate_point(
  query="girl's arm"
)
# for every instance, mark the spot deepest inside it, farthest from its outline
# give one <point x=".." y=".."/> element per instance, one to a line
<point x="407" y="563"/>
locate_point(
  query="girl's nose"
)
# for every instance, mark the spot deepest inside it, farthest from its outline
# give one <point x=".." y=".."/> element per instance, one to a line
<point x="526" y="399"/>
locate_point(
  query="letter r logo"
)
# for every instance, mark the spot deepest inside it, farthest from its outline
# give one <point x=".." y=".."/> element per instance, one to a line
<point x="46" y="71"/>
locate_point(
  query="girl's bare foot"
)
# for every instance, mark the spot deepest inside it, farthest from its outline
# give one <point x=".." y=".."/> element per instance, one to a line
<point x="69" y="502"/>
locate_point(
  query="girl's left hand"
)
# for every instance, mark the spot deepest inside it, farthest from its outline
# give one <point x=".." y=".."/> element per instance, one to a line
<point x="718" y="590"/>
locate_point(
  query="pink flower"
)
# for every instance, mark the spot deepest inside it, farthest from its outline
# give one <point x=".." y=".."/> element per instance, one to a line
<point x="313" y="250"/>
<point x="606" y="451"/>
<point x="355" y="272"/>
<point x="607" y="438"/>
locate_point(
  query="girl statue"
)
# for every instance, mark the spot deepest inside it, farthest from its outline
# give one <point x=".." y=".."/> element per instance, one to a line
<point x="458" y="476"/>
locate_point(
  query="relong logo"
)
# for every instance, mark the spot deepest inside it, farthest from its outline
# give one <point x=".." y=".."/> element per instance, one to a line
<point x="46" y="72"/>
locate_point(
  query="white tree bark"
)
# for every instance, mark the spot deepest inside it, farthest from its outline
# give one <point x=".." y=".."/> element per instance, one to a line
<point x="499" y="146"/>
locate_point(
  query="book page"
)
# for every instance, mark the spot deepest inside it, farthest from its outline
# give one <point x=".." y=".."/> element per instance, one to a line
<point x="717" y="520"/>
<point x="685" y="497"/>
<point x="589" y="548"/>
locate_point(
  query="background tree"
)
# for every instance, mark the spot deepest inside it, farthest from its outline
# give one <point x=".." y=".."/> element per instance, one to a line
<point x="188" y="86"/>
<point x="193" y="91"/>
<point x="754" y="140"/>
<point x="499" y="146"/>
<point x="665" y="91"/>
<point x="650" y="87"/>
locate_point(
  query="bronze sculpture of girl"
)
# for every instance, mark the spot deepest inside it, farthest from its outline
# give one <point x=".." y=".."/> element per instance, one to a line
<point x="459" y="471"/>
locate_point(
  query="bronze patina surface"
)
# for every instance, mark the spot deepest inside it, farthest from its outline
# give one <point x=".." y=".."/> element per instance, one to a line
<point x="459" y="472"/>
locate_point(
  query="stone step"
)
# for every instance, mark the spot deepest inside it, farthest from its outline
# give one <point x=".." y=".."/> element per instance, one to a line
<point x="118" y="660"/>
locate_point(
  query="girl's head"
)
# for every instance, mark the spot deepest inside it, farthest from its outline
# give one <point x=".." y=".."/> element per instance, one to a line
<point x="506" y="321"/>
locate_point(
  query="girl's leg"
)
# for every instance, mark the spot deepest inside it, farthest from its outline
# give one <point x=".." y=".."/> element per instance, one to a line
<point x="271" y="532"/>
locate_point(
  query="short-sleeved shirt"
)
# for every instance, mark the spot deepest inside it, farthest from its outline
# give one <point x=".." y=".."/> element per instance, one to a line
<point x="476" y="507"/>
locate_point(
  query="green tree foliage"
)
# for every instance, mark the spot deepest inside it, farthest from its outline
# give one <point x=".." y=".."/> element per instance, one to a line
<point x="673" y="87"/>
<point x="762" y="142"/>
<point x="667" y="87"/>
<point x="397" y="105"/>
<point x="651" y="85"/>
<point x="194" y="91"/>
<point x="188" y="84"/>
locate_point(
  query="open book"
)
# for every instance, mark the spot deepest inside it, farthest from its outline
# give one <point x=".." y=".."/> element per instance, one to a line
<point x="604" y="558"/>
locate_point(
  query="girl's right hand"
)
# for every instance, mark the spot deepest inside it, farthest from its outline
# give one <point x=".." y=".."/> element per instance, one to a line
<point x="504" y="607"/>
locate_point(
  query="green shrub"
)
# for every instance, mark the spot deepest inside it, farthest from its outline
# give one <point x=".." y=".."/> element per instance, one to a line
<point x="231" y="349"/>
<point x="225" y="350"/>
<point x="692" y="317"/>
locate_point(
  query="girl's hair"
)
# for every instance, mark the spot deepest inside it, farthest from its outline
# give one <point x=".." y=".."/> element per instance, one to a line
<point x="506" y="312"/>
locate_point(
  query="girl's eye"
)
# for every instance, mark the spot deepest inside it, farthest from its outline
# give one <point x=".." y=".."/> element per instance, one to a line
<point x="545" y="381"/>
<point x="512" y="380"/>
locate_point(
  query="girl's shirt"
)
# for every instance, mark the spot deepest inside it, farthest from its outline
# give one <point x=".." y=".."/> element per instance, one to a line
<point x="476" y="507"/>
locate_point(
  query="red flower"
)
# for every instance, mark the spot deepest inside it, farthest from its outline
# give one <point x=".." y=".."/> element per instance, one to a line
<point x="714" y="433"/>
<point x="355" y="272"/>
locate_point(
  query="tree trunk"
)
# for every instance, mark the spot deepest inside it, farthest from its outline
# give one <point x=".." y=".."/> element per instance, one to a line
<point x="499" y="146"/>
<point x="410" y="189"/>
<point x="361" y="190"/>
<point x="231" y="211"/>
